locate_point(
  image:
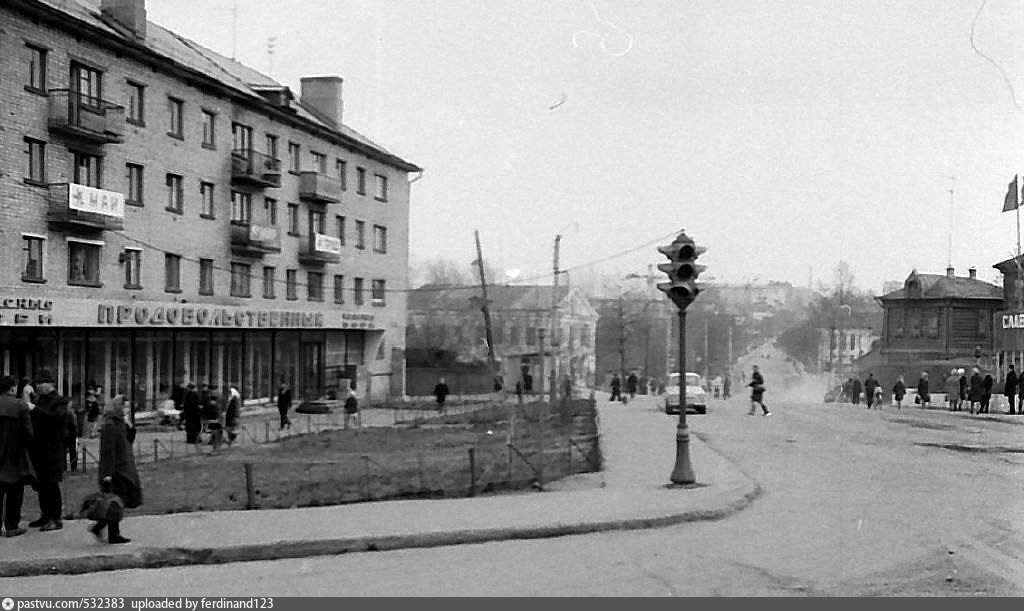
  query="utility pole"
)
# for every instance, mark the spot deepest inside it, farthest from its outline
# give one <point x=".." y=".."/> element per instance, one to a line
<point x="555" y="340"/>
<point x="707" y="320"/>
<point x="485" y="306"/>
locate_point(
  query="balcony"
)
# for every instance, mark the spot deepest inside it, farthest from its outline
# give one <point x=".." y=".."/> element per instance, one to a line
<point x="81" y="209"/>
<point x="255" y="169"/>
<point x="249" y="240"/>
<point x="317" y="187"/>
<point x="320" y="249"/>
<point x="85" y="117"/>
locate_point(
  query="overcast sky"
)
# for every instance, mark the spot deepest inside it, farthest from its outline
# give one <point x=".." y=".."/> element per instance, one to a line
<point x="782" y="135"/>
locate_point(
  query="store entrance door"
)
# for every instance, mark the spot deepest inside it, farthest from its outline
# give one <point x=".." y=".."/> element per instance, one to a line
<point x="311" y="357"/>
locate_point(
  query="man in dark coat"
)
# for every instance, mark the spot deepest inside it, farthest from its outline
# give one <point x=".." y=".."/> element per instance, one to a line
<point x="631" y="385"/>
<point x="870" y="385"/>
<point x="616" y="388"/>
<point x="986" y="395"/>
<point x="757" y="392"/>
<point x="193" y="414"/>
<point x="15" y="469"/>
<point x="1010" y="389"/>
<point x="284" y="403"/>
<point x="977" y="389"/>
<point x="49" y="427"/>
<point x="441" y="393"/>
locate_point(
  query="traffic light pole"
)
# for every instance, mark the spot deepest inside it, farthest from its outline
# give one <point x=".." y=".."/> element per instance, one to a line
<point x="682" y="474"/>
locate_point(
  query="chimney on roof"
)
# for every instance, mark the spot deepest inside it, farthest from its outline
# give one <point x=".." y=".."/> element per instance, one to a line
<point x="973" y="272"/>
<point x="129" y="13"/>
<point x="949" y="271"/>
<point x="323" y="94"/>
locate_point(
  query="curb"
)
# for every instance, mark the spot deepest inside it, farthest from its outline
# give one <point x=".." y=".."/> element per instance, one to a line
<point x="153" y="558"/>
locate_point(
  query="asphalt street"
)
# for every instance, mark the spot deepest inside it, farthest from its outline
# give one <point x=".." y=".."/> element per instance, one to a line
<point x="855" y="502"/>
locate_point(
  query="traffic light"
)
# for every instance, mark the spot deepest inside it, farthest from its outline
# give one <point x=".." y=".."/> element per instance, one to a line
<point x="682" y="270"/>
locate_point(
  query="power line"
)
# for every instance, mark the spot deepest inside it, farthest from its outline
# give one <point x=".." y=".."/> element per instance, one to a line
<point x="1006" y="77"/>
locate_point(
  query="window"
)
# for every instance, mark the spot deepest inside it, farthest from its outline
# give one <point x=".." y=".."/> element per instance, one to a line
<point x="360" y="235"/>
<point x="896" y="323"/>
<point x="136" y="103"/>
<point x="380" y="188"/>
<point x="291" y="284"/>
<point x="377" y="292"/>
<point x="268" y="282"/>
<point x="496" y="334"/>
<point x="293" y="219"/>
<point x="206" y="195"/>
<point x="513" y="335"/>
<point x="342" y="168"/>
<point x="319" y="162"/>
<point x="32" y="262"/>
<point x="932" y="323"/>
<point x="35" y="161"/>
<point x="270" y="208"/>
<point x="240" y="280"/>
<point x="293" y="157"/>
<point x="172" y="273"/>
<point x="241" y="138"/>
<point x="339" y="288"/>
<point x="380" y="239"/>
<point x="36" y="69"/>
<point x="132" y="268"/>
<point x="135" y="184"/>
<point x="340" y="222"/>
<point x="206" y="276"/>
<point x="853" y="342"/>
<point x="272" y="146"/>
<point x="315" y="286"/>
<point x="241" y="207"/>
<point x="984" y="323"/>
<point x="585" y="335"/>
<point x="175" y="193"/>
<point x="914" y="322"/>
<point x="531" y="336"/>
<point x="317" y="222"/>
<point x="175" y="110"/>
<point x="361" y="181"/>
<point x="87" y="84"/>
<point x="209" y="129"/>
<point x="88" y="170"/>
<point x="357" y="291"/>
<point x="83" y="263"/>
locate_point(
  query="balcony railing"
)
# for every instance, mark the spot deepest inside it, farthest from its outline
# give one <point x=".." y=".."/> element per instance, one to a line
<point x="86" y="117"/>
<point x="255" y="168"/>
<point x="317" y="187"/>
<point x="85" y="209"/>
<point x="249" y="240"/>
<point x="319" y="249"/>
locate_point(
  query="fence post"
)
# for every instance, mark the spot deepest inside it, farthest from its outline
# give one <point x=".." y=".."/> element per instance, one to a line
<point x="472" y="472"/>
<point x="309" y="424"/>
<point x="156" y="450"/>
<point x="250" y="489"/>
<point x="266" y="432"/>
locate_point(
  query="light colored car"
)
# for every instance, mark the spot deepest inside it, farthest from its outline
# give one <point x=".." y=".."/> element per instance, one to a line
<point x="696" y="398"/>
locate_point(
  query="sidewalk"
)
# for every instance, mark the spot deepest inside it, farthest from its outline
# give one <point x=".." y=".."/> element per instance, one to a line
<point x="638" y="443"/>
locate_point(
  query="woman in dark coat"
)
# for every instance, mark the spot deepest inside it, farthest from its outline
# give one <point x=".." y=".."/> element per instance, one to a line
<point x="922" y="391"/>
<point x="855" y="391"/>
<point x="284" y="403"/>
<point x="975" y="392"/>
<point x="117" y="467"/>
<point x="898" y="392"/>
<point x="986" y="393"/>
<point x="193" y="415"/>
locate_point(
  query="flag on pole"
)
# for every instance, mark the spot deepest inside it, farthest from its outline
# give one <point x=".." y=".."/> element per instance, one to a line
<point x="1012" y="200"/>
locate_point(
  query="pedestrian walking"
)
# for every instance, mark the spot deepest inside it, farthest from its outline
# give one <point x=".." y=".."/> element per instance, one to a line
<point x="631" y="385"/>
<point x="923" y="396"/>
<point x="870" y="386"/>
<point x="441" y="393"/>
<point x="232" y="414"/>
<point x="1010" y="389"/>
<point x="986" y="393"/>
<point x="963" y="388"/>
<point x="15" y="466"/>
<point x="48" y="451"/>
<point x="94" y="416"/>
<point x="616" y="388"/>
<point x="117" y="473"/>
<point x="212" y="415"/>
<point x="352" y="409"/>
<point x="953" y="390"/>
<point x="855" y="389"/>
<point x="92" y="411"/>
<point x="726" y="387"/>
<point x="757" y="392"/>
<point x="899" y="390"/>
<point x="193" y="414"/>
<point x="284" y="403"/>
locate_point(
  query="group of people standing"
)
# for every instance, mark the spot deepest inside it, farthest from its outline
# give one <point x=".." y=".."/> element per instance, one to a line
<point x="974" y="392"/>
<point x="199" y="406"/>
<point x="34" y="443"/>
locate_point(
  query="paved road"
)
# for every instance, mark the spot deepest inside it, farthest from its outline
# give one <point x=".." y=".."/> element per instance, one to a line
<point x="856" y="502"/>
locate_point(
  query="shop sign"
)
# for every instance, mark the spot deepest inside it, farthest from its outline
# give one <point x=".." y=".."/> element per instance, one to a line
<point x="96" y="201"/>
<point x="1009" y="331"/>
<point x="205" y="317"/>
<point x="327" y="243"/>
<point x="26" y="311"/>
<point x="352" y="320"/>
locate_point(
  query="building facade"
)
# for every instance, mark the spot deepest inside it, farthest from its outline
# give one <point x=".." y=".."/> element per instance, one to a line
<point x="449" y="319"/>
<point x="171" y="216"/>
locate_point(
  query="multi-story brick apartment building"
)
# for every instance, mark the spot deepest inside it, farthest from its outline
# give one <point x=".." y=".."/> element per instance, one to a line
<point x="448" y="319"/>
<point x="169" y="215"/>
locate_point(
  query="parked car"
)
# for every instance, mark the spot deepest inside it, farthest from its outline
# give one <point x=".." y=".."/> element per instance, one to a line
<point x="696" y="397"/>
